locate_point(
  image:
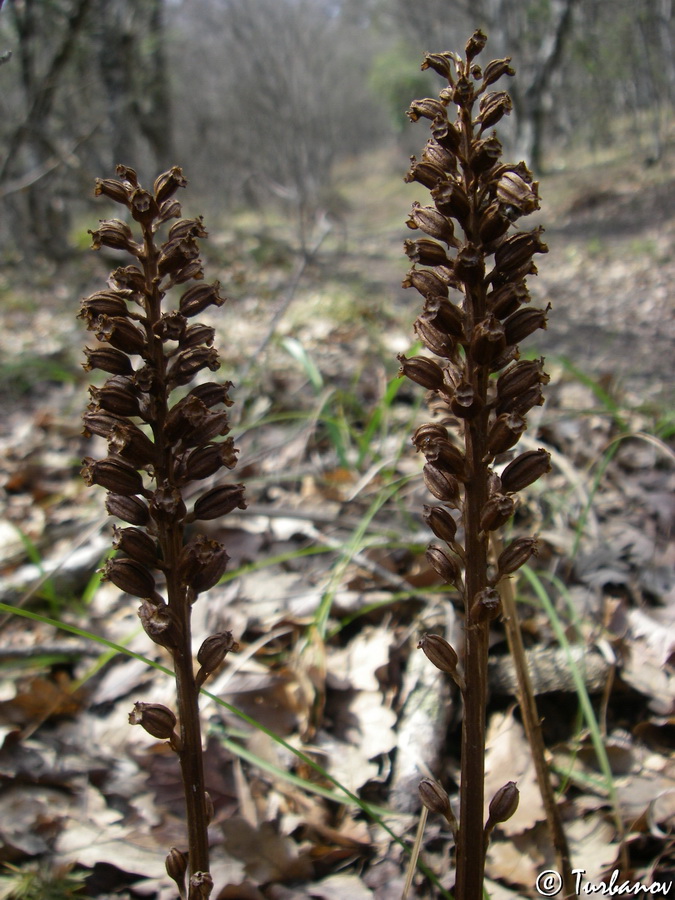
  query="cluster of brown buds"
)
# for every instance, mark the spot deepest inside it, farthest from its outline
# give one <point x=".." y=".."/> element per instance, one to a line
<point x="471" y="271"/>
<point x="162" y="436"/>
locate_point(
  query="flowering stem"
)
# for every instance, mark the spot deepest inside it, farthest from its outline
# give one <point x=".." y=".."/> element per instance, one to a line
<point x="473" y="319"/>
<point x="157" y="446"/>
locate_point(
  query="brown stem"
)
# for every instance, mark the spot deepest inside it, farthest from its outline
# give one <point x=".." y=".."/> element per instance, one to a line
<point x="532" y="725"/>
<point x="470" y="855"/>
<point x="170" y="536"/>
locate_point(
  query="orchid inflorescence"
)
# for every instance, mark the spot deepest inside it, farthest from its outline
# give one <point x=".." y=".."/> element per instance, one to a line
<point x="165" y="433"/>
<point x="471" y="271"/>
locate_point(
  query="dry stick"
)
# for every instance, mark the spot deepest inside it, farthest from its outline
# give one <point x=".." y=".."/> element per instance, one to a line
<point x="532" y="724"/>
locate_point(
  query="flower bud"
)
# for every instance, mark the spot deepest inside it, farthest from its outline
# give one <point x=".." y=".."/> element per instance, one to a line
<point x="505" y="300"/>
<point x="451" y="200"/>
<point x="475" y="44"/>
<point x="496" y="512"/>
<point x="167" y="183"/>
<point x="470" y="265"/>
<point x="129" y="576"/>
<point x="107" y="359"/>
<point x="206" y="460"/>
<point x="434" y="339"/>
<point x="514" y="191"/>
<point x="113" y="474"/>
<point x="505" y="432"/>
<point x="441" y="484"/>
<point x="444" y="565"/>
<point x="128" y="441"/>
<point x="137" y="544"/>
<point x="440" y="156"/>
<point x="429" y="220"/>
<point x="519" y="378"/>
<point x="503" y="805"/>
<point x="115" y="234"/>
<point x="212" y="652"/>
<point x="445" y="315"/>
<point x="196" y="299"/>
<point x="493" y="106"/>
<point x="426" y="282"/>
<point x="143" y="206"/>
<point x="442" y="63"/>
<point x="426" y="253"/>
<point x="158" y="720"/>
<point x="176" y="866"/>
<point x="109" y="187"/>
<point x="202" y="563"/>
<point x="441" y="522"/>
<point x="486" y="606"/>
<point x="516" y="555"/>
<point x="126" y="173"/>
<point x="425" y="172"/>
<point x="494" y="70"/>
<point x="439" y="652"/>
<point x="159" y="623"/>
<point x="525" y="469"/>
<point x="432" y="431"/>
<point x="128" y="509"/>
<point x="487" y="340"/>
<point x="523" y="323"/>
<point x="422" y="371"/>
<point x="466" y="404"/>
<point x="188" y="362"/>
<point x="219" y="502"/>
<point x="118" y="395"/>
<point x="103" y="303"/>
<point x="428" y="108"/>
<point x="434" y="797"/>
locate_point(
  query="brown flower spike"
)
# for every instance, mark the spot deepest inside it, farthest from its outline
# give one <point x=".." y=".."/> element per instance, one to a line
<point x="164" y="437"/>
<point x="470" y="268"/>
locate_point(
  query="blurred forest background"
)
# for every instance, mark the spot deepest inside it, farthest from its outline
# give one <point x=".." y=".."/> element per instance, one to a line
<point x="261" y="100"/>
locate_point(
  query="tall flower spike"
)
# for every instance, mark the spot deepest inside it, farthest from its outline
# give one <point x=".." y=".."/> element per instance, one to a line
<point x="163" y="436"/>
<point x="470" y="270"/>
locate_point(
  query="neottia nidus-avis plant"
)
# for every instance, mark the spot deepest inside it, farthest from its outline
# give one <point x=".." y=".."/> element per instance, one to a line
<point x="165" y="426"/>
<point x="471" y="270"/>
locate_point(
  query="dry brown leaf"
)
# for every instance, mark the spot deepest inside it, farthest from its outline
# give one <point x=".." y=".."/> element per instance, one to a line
<point x="508" y="758"/>
<point x="267" y="855"/>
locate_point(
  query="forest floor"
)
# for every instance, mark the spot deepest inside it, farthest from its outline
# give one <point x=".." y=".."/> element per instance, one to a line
<point x="328" y="590"/>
